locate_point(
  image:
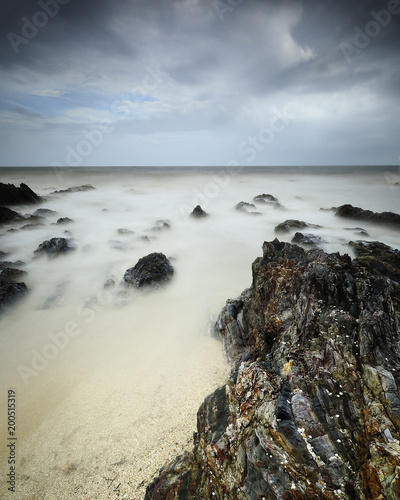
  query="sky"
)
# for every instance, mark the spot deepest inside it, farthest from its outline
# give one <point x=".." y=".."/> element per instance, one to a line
<point x="199" y="82"/>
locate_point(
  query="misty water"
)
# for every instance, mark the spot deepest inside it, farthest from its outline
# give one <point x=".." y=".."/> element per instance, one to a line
<point x="108" y="380"/>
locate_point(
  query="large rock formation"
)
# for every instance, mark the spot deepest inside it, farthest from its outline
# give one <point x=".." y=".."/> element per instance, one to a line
<point x="311" y="409"/>
<point x="13" y="195"/>
<point x="360" y="214"/>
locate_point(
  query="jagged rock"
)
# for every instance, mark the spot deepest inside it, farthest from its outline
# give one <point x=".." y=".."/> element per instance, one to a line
<point x="289" y="224"/>
<point x="311" y="409"/>
<point x="358" y="213"/>
<point x="247" y="208"/>
<point x="55" y="246"/>
<point x="268" y="199"/>
<point x="11" y="290"/>
<point x="64" y="220"/>
<point x="160" y="225"/>
<point x="8" y="215"/>
<point x="75" y="189"/>
<point x="198" y="212"/>
<point x="153" y="269"/>
<point x="307" y="239"/>
<point x="13" y="195"/>
<point x="378" y="258"/>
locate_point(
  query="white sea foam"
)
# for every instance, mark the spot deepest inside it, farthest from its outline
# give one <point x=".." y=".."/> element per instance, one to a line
<point x="110" y="372"/>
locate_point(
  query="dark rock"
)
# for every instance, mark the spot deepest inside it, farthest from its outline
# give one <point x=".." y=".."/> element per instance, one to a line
<point x="11" y="292"/>
<point x="358" y="213"/>
<point x="145" y="238"/>
<point x="12" y="195"/>
<point x="378" y="258"/>
<point x="110" y="283"/>
<point x="8" y="215"/>
<point x="123" y="230"/>
<point x="268" y="199"/>
<point x="64" y="220"/>
<point x="198" y="212"/>
<point x="75" y="189"/>
<point x="153" y="269"/>
<point x="3" y="254"/>
<point x="311" y="409"/>
<point x="14" y="265"/>
<point x="290" y="224"/>
<point x="55" y="246"/>
<point x="307" y="239"/>
<point x="247" y="208"/>
<point x="45" y="211"/>
<point x="11" y="274"/>
<point x="160" y="225"/>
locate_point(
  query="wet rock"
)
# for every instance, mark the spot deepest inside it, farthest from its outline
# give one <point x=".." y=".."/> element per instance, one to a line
<point x="290" y="224"/>
<point x="311" y="409"/>
<point x="198" y="212"/>
<point x="307" y="239"/>
<point x="55" y="247"/>
<point x="247" y="208"/>
<point x="12" y="288"/>
<point x="13" y="195"/>
<point x="268" y="199"/>
<point x="161" y="225"/>
<point x="358" y="213"/>
<point x="8" y="215"/>
<point x="64" y="220"/>
<point x="75" y="189"/>
<point x="153" y="269"/>
<point x="379" y="258"/>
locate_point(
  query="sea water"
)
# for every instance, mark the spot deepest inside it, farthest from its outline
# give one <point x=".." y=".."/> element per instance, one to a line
<point x="108" y="379"/>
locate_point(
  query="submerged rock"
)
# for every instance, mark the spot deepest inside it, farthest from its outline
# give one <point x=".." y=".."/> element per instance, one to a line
<point x="55" y="246"/>
<point x="247" y="208"/>
<point x="361" y="214"/>
<point x="64" y="220"/>
<point x="153" y="269"/>
<point x="307" y="239"/>
<point x="268" y="199"/>
<point x="13" y="195"/>
<point x="290" y="224"/>
<point x="75" y="189"/>
<point x="161" y="225"/>
<point x="357" y="230"/>
<point x="198" y="212"/>
<point x="311" y="409"/>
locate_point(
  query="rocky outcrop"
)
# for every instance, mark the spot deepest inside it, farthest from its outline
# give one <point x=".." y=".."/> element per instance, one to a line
<point x="247" y="208"/>
<point x="358" y="213"/>
<point x="307" y="239"/>
<point x="75" y="189"/>
<point x="13" y="195"/>
<point x="288" y="225"/>
<point x="311" y="409"/>
<point x="55" y="246"/>
<point x="153" y="269"/>
<point x="379" y="258"/>
<point x="198" y="212"/>
<point x="7" y="215"/>
<point x="268" y="199"/>
<point x="12" y="288"/>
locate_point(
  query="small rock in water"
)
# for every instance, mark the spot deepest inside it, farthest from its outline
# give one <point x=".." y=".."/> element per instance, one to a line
<point x="268" y="199"/>
<point x="64" y="220"/>
<point x="55" y="246"/>
<point x="198" y="212"/>
<point x="76" y="189"/>
<point x="358" y="230"/>
<point x="307" y="239"/>
<point x="153" y="269"/>
<point x="160" y="225"/>
<point x="124" y="230"/>
<point x="247" y="208"/>
<point x="288" y="225"/>
<point x="361" y="214"/>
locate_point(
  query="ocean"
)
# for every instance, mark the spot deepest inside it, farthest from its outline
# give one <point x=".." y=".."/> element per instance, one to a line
<point x="108" y="380"/>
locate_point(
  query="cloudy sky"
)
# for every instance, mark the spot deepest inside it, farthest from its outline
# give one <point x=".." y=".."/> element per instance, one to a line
<point x="199" y="82"/>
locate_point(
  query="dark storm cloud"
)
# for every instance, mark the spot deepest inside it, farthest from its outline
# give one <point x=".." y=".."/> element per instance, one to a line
<point x="204" y="65"/>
